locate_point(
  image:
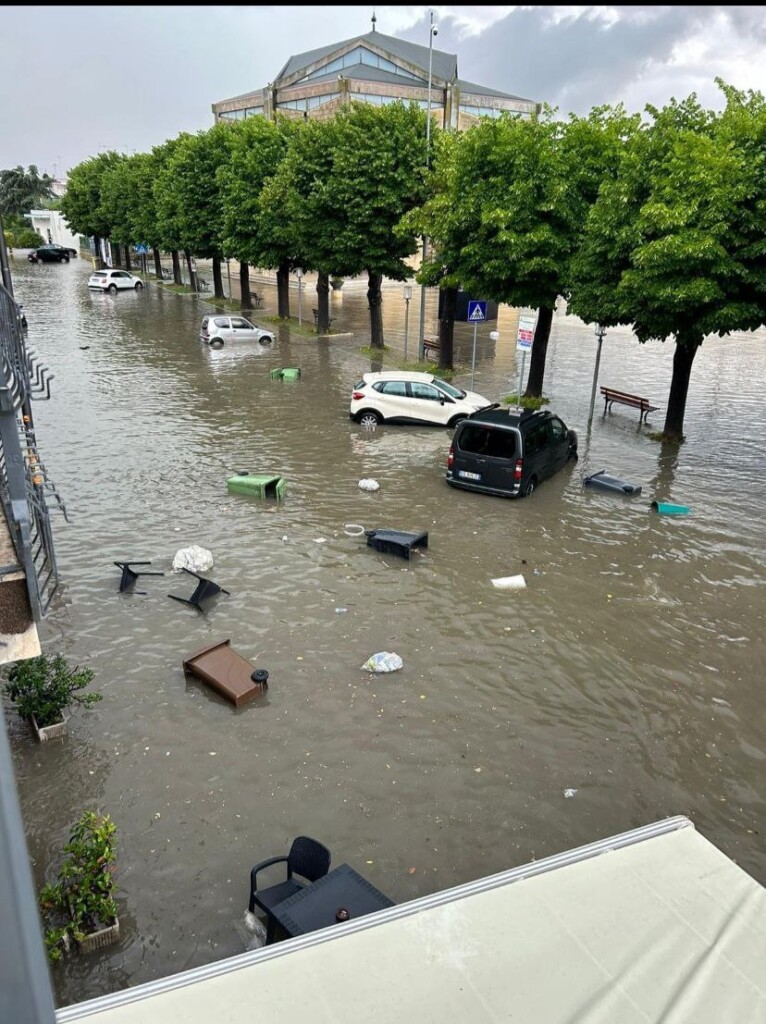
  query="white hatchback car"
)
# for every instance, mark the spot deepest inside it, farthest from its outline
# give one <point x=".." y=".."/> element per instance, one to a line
<point x="114" y="281"/>
<point x="398" y="397"/>
<point x="217" y="330"/>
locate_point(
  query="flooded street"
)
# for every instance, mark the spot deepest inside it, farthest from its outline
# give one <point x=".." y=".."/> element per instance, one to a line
<point x="630" y="670"/>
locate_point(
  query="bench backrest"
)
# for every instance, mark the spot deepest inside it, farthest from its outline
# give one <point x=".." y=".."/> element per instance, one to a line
<point x="623" y="396"/>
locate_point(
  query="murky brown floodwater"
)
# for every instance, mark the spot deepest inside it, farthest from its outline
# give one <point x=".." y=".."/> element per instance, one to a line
<point x="630" y="670"/>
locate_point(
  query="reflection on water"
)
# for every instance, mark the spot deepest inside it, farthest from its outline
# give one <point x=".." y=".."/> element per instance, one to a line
<point x="628" y="670"/>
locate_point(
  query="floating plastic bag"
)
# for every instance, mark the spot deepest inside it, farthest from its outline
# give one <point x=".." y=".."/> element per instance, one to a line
<point x="384" y="661"/>
<point x="195" y="558"/>
<point x="369" y="485"/>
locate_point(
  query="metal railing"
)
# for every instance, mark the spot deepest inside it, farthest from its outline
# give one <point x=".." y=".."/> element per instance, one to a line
<point x="25" y="486"/>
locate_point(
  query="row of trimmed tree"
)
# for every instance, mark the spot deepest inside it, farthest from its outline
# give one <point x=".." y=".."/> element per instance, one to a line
<point x="659" y="223"/>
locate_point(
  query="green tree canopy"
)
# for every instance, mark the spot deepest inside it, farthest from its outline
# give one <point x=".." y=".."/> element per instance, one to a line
<point x="81" y="204"/>
<point x="23" y="190"/>
<point x="674" y="243"/>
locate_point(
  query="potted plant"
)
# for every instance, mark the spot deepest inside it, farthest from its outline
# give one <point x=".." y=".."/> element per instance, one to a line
<point x="79" y="906"/>
<point x="336" y="283"/>
<point x="42" y="688"/>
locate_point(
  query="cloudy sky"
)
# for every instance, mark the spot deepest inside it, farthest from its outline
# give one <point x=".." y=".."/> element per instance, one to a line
<point x="77" y="80"/>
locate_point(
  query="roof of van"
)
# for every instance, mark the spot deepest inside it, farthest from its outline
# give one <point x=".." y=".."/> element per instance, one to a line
<point x="506" y="416"/>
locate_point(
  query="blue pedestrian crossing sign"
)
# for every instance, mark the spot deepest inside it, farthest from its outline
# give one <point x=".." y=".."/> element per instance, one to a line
<point x="477" y="311"/>
<point x="141" y="250"/>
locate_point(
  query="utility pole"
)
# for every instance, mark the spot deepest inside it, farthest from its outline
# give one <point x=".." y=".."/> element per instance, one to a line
<point x="432" y="31"/>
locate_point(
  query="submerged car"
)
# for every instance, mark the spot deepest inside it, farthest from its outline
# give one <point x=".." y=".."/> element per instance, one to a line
<point x="508" y="453"/>
<point x="52" y="253"/>
<point x="217" y="330"/>
<point x="114" y="281"/>
<point x="395" y="396"/>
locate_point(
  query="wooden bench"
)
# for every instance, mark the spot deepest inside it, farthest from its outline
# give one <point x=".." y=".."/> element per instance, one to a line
<point x="622" y="398"/>
<point x="316" y="318"/>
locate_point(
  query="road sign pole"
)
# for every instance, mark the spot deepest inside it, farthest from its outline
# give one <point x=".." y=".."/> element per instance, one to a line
<point x="473" y="355"/>
<point x="521" y="376"/>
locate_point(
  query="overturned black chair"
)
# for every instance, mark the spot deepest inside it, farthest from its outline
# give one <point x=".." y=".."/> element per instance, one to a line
<point x="204" y="590"/>
<point x="307" y="858"/>
<point x="129" y="577"/>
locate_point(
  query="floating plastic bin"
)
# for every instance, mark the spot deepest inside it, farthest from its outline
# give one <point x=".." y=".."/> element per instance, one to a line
<point x="670" y="510"/>
<point x="276" y="373"/>
<point x="257" y="485"/>
<point x="291" y="373"/>
<point x="396" y="542"/>
<point x="227" y="672"/>
<point x="603" y="482"/>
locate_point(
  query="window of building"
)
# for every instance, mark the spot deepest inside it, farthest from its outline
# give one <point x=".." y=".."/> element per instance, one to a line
<point x="383" y="101"/>
<point x="307" y="102"/>
<point x="360" y="55"/>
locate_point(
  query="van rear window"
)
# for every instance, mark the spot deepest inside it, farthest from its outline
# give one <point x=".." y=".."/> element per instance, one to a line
<point x="492" y="441"/>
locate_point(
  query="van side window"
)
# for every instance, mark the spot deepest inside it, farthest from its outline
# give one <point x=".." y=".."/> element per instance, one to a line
<point x="559" y="431"/>
<point x="478" y="440"/>
<point x="537" y="438"/>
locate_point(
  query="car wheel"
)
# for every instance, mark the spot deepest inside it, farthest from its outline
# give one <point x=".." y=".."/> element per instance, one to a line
<point x="216" y="342"/>
<point x="572" y="455"/>
<point x="65" y="259"/>
<point x="369" y="418"/>
<point x="113" y="289"/>
<point x="455" y="420"/>
<point x="265" y="339"/>
<point x="139" y="286"/>
<point x="531" y="484"/>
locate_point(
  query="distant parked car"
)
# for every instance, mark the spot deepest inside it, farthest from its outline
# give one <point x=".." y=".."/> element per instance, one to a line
<point x="397" y="396"/>
<point x="51" y="254"/>
<point x="507" y="453"/>
<point x="217" y="330"/>
<point x="114" y="281"/>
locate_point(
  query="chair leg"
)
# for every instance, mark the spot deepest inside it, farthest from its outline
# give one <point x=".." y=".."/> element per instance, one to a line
<point x="270" y="930"/>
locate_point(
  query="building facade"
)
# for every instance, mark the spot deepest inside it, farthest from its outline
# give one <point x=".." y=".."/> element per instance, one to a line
<point x="377" y="69"/>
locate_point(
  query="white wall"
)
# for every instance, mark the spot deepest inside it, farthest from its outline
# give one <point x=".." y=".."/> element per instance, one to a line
<point x="43" y="220"/>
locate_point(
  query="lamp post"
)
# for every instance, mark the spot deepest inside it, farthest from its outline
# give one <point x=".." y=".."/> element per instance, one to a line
<point x="432" y="31"/>
<point x="600" y="333"/>
<point x="299" y="275"/>
<point x="407" y="296"/>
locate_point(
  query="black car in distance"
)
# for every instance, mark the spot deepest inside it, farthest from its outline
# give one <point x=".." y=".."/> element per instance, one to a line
<point x="51" y="253"/>
<point x="508" y="453"/>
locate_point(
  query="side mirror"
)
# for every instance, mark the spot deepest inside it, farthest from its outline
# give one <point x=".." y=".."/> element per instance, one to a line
<point x="441" y="399"/>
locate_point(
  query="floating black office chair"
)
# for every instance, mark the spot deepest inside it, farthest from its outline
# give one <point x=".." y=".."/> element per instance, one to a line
<point x="204" y="590"/>
<point x="129" y="577"/>
<point x="307" y="858"/>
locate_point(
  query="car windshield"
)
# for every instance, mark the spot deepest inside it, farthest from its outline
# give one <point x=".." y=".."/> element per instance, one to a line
<point x="448" y="388"/>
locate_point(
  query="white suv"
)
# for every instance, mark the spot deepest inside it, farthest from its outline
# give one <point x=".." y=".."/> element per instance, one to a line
<point x="217" y="330"/>
<point x="398" y="397"/>
<point x="114" y="280"/>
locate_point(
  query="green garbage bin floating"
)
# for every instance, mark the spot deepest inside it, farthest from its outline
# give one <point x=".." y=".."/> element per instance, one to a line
<point x="285" y="373"/>
<point x="666" y="509"/>
<point x="257" y="485"/>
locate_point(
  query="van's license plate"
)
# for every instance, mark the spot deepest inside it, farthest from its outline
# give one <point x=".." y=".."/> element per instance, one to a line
<point x="469" y="476"/>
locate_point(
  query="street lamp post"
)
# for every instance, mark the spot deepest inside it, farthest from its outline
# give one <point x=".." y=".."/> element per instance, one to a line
<point x="407" y="297"/>
<point x="600" y="333"/>
<point x="432" y="31"/>
<point x="299" y="275"/>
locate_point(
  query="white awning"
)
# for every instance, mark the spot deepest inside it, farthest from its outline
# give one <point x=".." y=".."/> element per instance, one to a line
<point x="653" y="925"/>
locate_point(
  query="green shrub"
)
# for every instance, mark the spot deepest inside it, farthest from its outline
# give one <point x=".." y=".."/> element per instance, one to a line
<point x="527" y="402"/>
<point x="81" y="900"/>
<point x="44" y="687"/>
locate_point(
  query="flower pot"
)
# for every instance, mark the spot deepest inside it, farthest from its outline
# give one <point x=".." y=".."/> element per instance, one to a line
<point x="49" y="732"/>
<point x="336" y="283"/>
<point x="100" y="939"/>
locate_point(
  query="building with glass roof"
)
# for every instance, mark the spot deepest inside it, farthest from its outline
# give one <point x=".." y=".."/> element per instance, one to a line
<point x="377" y="69"/>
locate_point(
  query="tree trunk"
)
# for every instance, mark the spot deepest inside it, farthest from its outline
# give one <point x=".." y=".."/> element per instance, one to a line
<point x="539" y="352"/>
<point x="192" y="277"/>
<point x="686" y="350"/>
<point x="323" y="302"/>
<point x="157" y="263"/>
<point x="246" y="299"/>
<point x="375" y="302"/>
<point x="218" y="278"/>
<point x="116" y="254"/>
<point x="283" y="289"/>
<point x="447" y="329"/>
<point x="176" y="267"/>
<point x="127" y="258"/>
